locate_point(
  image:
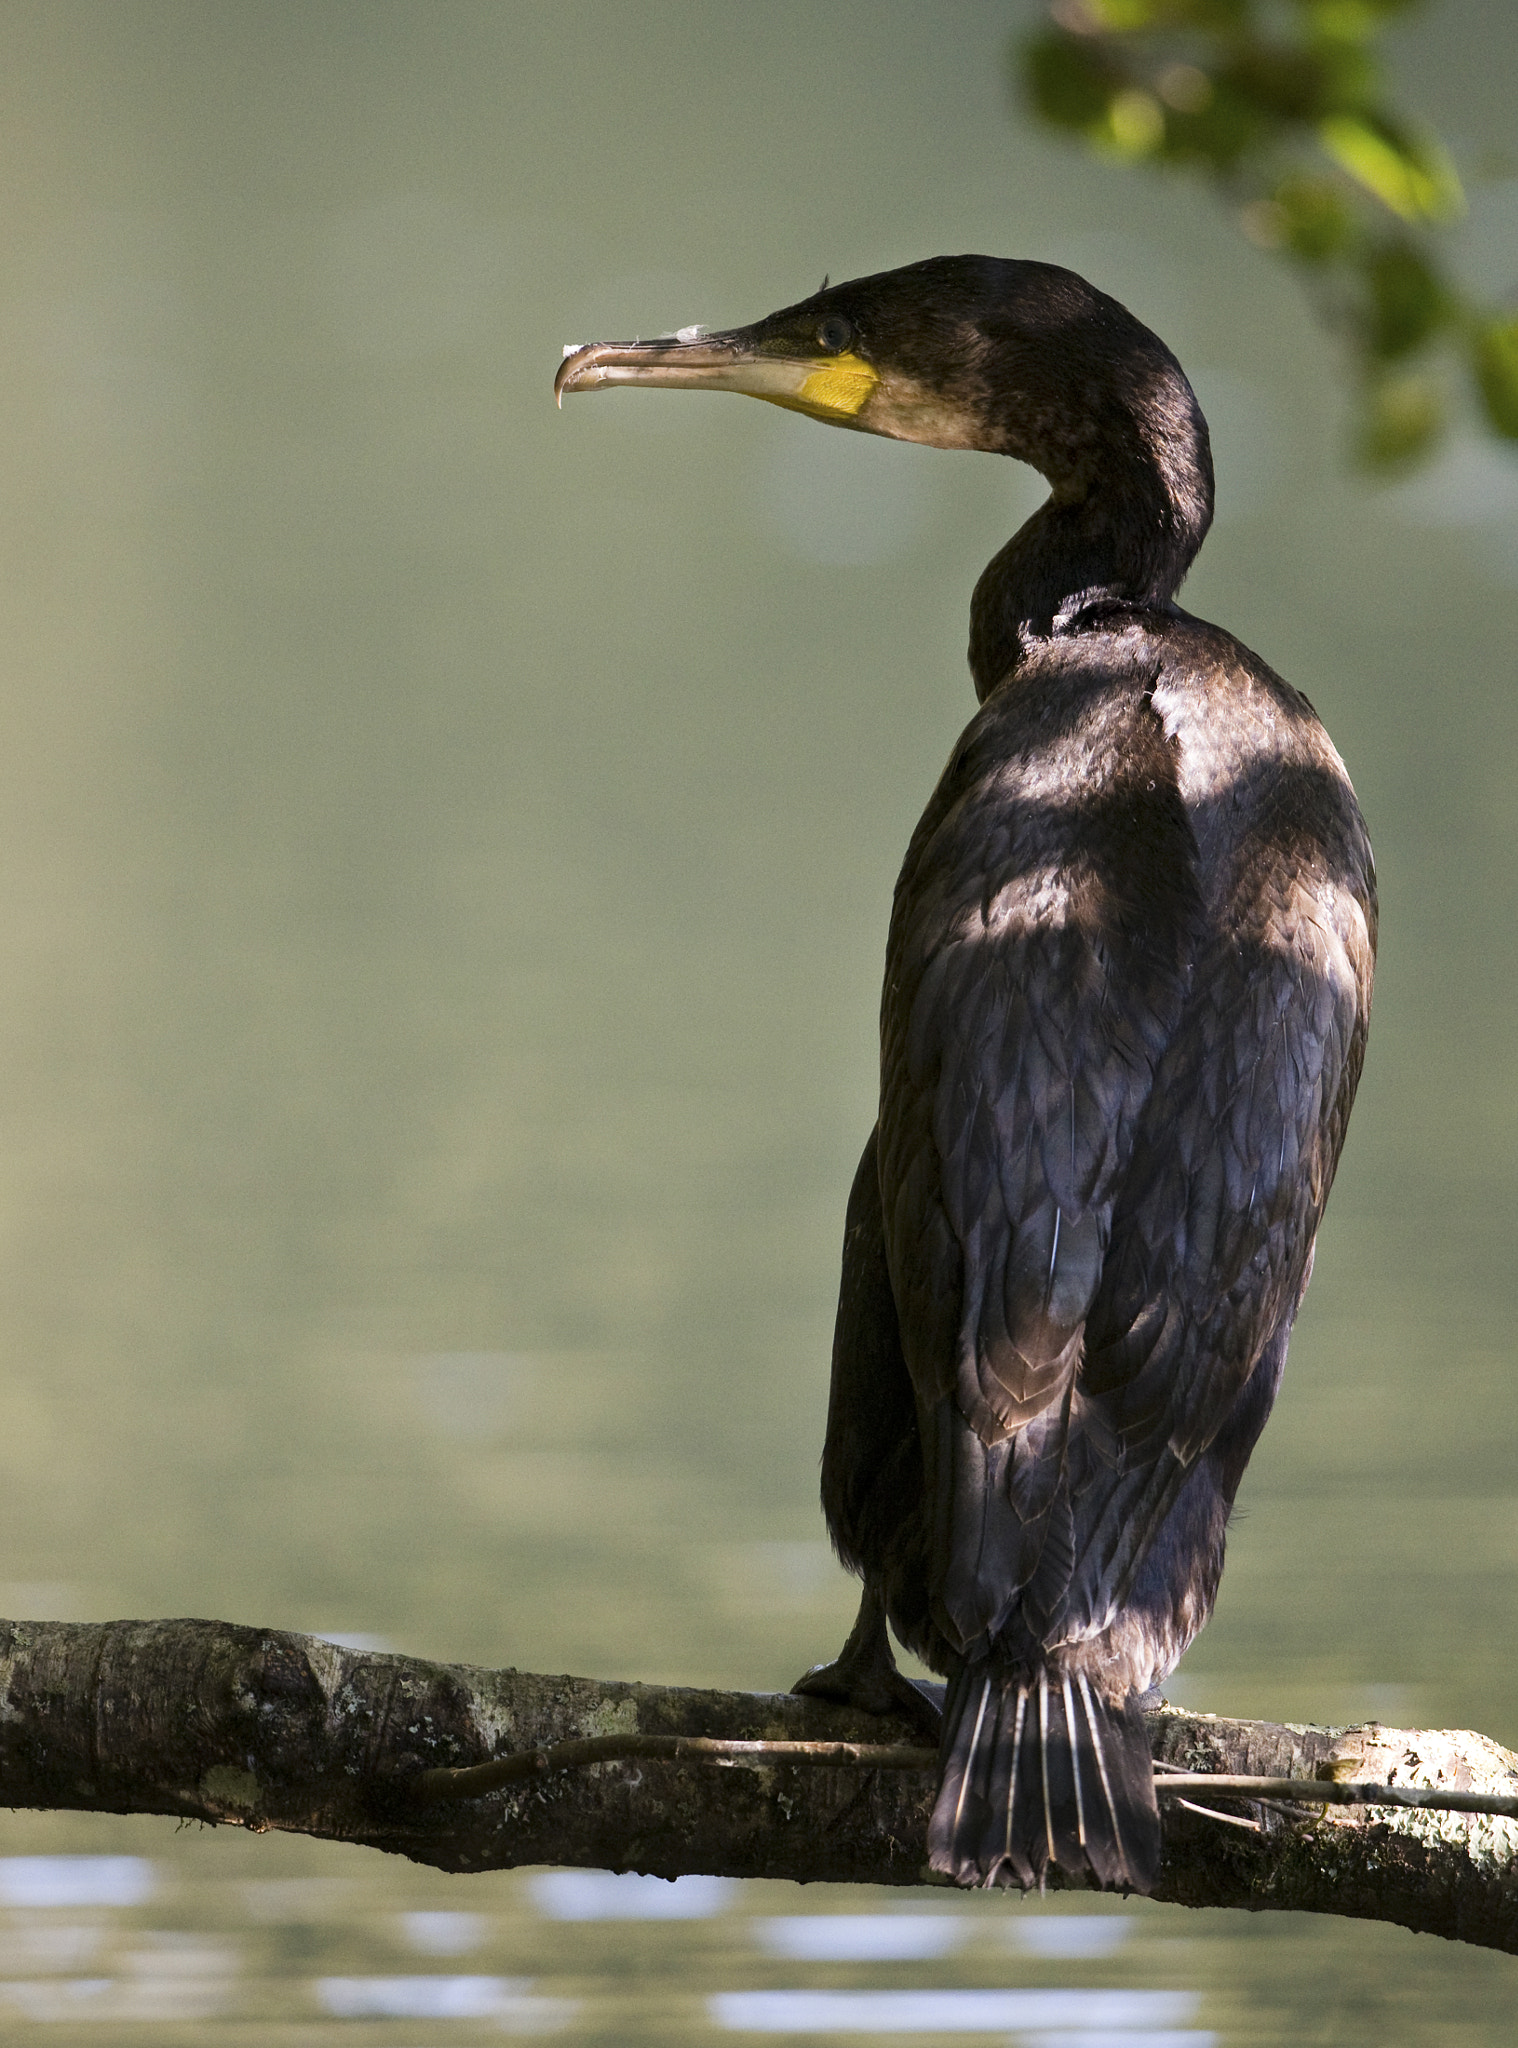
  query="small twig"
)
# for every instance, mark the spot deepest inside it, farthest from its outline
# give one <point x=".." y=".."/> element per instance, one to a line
<point x="475" y="1780"/>
<point x="1331" y="1792"/>
<point x="1233" y="1819"/>
<point x="1281" y="1808"/>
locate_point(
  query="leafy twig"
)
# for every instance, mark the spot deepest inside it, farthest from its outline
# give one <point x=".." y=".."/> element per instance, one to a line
<point x="1283" y="109"/>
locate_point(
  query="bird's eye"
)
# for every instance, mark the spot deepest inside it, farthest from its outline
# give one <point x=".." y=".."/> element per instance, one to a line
<point x="835" y="334"/>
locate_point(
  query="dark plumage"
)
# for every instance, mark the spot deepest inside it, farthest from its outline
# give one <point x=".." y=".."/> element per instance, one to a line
<point x="1127" y="989"/>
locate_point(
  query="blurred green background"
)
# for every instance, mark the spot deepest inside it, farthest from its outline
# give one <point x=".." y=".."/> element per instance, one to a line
<point x="446" y="849"/>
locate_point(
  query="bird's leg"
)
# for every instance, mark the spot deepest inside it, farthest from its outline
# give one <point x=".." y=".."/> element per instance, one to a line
<point x="864" y="1674"/>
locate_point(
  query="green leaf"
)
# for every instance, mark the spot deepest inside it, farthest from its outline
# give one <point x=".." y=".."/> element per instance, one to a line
<point x="1316" y="223"/>
<point x="1246" y="92"/>
<point x="1302" y="82"/>
<point x="1074" y="85"/>
<point x="1496" y="354"/>
<point x="1351" y="20"/>
<point x="1069" y="82"/>
<point x="1135" y="123"/>
<point x="1219" y="132"/>
<point x="1285" y="83"/>
<point x="1125" y="16"/>
<point x="1407" y="300"/>
<point x="1403" y="418"/>
<point x="1412" y="175"/>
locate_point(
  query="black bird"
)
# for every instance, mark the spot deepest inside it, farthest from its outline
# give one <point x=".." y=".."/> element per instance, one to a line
<point x="1127" y="988"/>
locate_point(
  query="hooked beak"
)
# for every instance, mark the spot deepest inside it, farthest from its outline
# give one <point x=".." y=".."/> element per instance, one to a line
<point x="834" y="388"/>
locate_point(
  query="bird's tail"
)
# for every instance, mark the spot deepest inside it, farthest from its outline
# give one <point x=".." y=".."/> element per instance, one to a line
<point x="1042" y="1770"/>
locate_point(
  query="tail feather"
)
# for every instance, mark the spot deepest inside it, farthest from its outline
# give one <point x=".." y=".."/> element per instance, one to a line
<point x="1039" y="1772"/>
<point x="971" y="1805"/>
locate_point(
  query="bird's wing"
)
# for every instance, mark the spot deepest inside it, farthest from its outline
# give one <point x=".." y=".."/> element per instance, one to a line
<point x="1038" y="966"/>
<point x="1037" y="971"/>
<point x="1212" y="1230"/>
<point x="1106" y="1138"/>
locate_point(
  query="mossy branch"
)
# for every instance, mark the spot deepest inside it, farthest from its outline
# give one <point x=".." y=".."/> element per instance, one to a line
<point x="261" y="1729"/>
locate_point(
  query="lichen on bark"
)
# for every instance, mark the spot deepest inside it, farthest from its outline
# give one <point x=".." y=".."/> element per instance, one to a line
<point x="263" y="1729"/>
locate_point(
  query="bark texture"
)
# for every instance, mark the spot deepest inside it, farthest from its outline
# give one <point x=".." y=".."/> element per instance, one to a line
<point x="262" y="1729"/>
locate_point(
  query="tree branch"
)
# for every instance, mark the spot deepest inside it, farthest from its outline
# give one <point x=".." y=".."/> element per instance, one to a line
<point x="262" y="1729"/>
<point x="475" y="1781"/>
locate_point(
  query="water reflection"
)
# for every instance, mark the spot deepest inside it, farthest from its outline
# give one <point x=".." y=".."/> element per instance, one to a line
<point x="1128" y="2014"/>
<point x="195" y="1941"/>
<point x="628" y="1895"/>
<point x="1072" y="1935"/>
<point x="47" y="1881"/>
<point x="504" y="1999"/>
<point x="861" y="1937"/>
<point x="444" y="1933"/>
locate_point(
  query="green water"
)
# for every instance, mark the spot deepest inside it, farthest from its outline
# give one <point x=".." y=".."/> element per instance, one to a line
<point x="446" y="848"/>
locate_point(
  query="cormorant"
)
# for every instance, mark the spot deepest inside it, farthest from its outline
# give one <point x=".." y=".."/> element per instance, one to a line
<point x="1127" y="987"/>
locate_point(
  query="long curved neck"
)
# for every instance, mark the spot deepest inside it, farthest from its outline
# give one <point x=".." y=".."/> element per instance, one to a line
<point x="1122" y="527"/>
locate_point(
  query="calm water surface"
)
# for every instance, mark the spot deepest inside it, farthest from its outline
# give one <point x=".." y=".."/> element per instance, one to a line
<point x="446" y="853"/>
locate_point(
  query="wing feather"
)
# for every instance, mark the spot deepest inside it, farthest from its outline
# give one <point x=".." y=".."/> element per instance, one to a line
<point x="1121" y="1032"/>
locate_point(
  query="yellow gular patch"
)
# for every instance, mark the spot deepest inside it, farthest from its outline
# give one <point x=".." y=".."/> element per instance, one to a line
<point x="837" y="389"/>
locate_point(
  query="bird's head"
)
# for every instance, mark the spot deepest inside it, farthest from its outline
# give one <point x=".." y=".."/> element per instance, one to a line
<point x="1016" y="358"/>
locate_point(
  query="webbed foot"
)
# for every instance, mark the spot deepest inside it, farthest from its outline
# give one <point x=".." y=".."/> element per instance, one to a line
<point x="864" y="1675"/>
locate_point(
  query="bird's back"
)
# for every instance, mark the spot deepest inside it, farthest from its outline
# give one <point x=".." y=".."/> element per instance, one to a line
<point x="1126" y="995"/>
